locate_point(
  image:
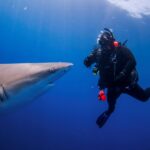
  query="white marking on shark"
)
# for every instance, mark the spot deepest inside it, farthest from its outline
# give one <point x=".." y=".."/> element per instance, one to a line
<point x="21" y="83"/>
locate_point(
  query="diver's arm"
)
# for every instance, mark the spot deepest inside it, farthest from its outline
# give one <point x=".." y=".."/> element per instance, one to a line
<point x="101" y="84"/>
<point x="89" y="60"/>
<point x="131" y="63"/>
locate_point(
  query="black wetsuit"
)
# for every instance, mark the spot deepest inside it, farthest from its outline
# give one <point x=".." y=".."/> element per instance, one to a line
<point x="117" y="70"/>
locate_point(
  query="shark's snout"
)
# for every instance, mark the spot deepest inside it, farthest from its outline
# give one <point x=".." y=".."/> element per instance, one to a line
<point x="22" y="82"/>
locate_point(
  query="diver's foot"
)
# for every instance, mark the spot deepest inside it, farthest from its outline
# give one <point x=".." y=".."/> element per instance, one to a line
<point x="101" y="120"/>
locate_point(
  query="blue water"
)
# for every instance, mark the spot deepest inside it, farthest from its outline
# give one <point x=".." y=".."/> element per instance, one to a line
<point x="64" y="118"/>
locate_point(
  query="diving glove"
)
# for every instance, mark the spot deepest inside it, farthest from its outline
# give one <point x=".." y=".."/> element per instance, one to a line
<point x="87" y="62"/>
<point x="95" y="70"/>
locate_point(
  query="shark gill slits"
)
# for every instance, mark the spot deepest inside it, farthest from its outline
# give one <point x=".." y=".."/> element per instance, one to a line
<point x="3" y="94"/>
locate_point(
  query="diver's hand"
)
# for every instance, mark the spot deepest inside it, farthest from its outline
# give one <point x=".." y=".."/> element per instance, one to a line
<point x="120" y="77"/>
<point x="95" y="70"/>
<point x="101" y="95"/>
<point x="87" y="63"/>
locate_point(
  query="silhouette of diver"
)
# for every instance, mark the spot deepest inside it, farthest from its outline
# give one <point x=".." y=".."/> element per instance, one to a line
<point x="117" y="70"/>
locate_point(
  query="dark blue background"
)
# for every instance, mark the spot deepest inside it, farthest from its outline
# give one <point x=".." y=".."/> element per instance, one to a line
<point x="64" y="118"/>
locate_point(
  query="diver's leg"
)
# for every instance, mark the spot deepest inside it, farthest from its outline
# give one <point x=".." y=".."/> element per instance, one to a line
<point x="112" y="95"/>
<point x="139" y="93"/>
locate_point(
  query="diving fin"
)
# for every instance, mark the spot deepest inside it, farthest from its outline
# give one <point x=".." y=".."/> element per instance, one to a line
<point x="102" y="119"/>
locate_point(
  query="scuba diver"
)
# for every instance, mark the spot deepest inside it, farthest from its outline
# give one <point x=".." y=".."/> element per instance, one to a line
<point x="116" y="67"/>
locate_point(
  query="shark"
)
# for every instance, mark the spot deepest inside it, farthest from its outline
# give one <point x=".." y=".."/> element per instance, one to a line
<point x="21" y="83"/>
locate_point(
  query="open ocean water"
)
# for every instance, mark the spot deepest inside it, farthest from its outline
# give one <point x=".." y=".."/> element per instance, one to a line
<point x="66" y="30"/>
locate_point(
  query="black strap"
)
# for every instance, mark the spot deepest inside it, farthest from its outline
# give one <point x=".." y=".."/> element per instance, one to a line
<point x="124" y="43"/>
